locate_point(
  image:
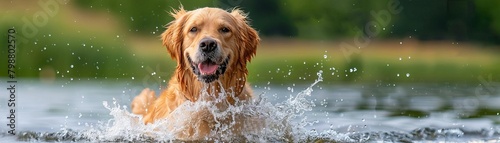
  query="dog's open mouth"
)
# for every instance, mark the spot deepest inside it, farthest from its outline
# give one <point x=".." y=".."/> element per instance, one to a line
<point x="208" y="71"/>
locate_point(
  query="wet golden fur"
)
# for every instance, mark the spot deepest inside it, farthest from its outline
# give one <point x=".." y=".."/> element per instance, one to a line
<point x="239" y="44"/>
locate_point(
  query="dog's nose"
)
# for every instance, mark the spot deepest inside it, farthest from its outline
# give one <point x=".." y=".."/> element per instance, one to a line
<point x="208" y="45"/>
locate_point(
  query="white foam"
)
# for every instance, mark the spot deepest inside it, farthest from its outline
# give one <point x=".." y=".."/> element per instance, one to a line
<point x="256" y="120"/>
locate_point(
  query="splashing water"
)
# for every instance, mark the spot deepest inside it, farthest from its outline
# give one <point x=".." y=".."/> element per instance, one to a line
<point x="257" y="120"/>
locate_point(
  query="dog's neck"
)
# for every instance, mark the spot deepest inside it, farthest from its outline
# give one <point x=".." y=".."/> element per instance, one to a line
<point x="232" y="83"/>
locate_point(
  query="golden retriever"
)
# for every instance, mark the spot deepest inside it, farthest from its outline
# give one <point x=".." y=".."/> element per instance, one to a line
<point x="211" y="47"/>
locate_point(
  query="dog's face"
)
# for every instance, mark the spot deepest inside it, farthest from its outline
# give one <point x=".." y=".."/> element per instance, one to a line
<point x="210" y="41"/>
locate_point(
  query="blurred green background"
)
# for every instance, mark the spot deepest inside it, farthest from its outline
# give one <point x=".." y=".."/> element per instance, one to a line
<point x="351" y="41"/>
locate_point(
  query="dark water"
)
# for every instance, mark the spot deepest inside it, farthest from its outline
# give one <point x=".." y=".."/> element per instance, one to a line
<point x="74" y="111"/>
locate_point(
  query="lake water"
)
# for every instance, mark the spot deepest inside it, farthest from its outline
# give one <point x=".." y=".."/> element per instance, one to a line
<point x="75" y="111"/>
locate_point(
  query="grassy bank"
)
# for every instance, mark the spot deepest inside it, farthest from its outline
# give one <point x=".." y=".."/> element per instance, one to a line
<point x="382" y="61"/>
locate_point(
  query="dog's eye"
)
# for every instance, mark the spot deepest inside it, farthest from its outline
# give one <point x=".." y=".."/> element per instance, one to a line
<point x="224" y="30"/>
<point x="194" y="29"/>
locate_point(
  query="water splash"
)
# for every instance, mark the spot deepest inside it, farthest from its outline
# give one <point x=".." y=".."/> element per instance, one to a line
<point x="255" y="120"/>
<point x="263" y="122"/>
<point x="417" y="135"/>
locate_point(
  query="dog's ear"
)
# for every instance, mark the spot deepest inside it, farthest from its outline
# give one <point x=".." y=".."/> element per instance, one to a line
<point x="172" y="37"/>
<point x="248" y="36"/>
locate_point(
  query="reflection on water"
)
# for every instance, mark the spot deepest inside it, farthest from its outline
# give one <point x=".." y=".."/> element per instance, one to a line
<point x="359" y="112"/>
<point x="419" y="100"/>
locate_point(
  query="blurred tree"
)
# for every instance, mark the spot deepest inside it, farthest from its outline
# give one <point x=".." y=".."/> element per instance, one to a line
<point x="141" y="17"/>
<point x="459" y="20"/>
<point x="266" y="16"/>
<point x="487" y="21"/>
<point x="330" y="19"/>
<point x="424" y="19"/>
<point x="325" y="19"/>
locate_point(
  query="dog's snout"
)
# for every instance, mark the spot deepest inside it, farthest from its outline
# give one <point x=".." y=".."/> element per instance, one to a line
<point x="208" y="45"/>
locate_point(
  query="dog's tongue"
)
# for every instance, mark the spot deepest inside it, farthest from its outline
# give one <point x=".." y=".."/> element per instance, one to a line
<point x="207" y="67"/>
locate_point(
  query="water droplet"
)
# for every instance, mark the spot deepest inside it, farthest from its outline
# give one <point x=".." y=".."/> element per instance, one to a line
<point x="97" y="67"/>
<point x="39" y="69"/>
<point x="132" y="77"/>
<point x="397" y="74"/>
<point x="71" y="66"/>
<point x="325" y="56"/>
<point x="407" y="74"/>
<point x="383" y="28"/>
<point x="401" y="43"/>
<point x="132" y="18"/>
<point x="117" y="36"/>
<point x="400" y="58"/>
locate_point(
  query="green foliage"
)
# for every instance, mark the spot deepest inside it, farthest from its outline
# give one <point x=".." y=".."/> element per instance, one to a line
<point x="330" y="19"/>
<point x="73" y="53"/>
<point x="487" y="19"/>
<point x="140" y="16"/>
<point x="266" y="16"/>
<point x="327" y="18"/>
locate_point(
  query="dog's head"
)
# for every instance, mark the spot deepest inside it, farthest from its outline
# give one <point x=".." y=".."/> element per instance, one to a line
<point x="210" y="41"/>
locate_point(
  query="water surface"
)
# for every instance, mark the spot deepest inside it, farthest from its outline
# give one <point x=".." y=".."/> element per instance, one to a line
<point x="70" y="111"/>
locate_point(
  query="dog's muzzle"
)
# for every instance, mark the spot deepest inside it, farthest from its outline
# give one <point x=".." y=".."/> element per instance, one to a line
<point x="209" y="67"/>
